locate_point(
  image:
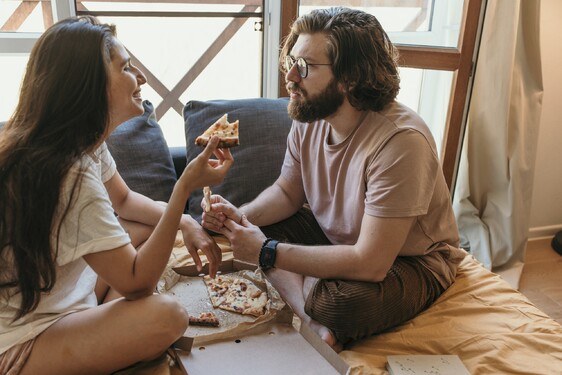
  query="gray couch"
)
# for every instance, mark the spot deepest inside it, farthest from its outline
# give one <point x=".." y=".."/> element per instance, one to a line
<point x="151" y="168"/>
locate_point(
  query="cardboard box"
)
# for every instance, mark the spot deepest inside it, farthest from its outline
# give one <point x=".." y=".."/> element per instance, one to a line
<point x="273" y="347"/>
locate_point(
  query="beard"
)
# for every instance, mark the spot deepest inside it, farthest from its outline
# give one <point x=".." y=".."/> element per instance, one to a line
<point x="309" y="109"/>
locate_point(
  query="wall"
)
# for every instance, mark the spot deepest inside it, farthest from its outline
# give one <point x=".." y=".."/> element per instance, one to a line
<point x="546" y="208"/>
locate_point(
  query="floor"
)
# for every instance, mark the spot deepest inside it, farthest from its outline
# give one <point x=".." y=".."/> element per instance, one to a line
<point x="541" y="280"/>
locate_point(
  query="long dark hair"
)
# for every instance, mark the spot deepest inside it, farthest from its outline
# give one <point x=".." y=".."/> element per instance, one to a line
<point x="363" y="58"/>
<point x="62" y="114"/>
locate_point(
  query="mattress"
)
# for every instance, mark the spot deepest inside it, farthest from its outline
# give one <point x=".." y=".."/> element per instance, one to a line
<point x="493" y="328"/>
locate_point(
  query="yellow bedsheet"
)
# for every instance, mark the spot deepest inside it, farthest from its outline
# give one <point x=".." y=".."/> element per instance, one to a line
<point x="493" y="328"/>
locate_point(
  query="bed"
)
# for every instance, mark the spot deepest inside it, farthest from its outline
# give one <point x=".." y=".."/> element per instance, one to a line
<point x="492" y="327"/>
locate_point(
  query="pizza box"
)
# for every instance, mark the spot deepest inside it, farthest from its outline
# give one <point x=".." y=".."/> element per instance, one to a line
<point x="276" y="346"/>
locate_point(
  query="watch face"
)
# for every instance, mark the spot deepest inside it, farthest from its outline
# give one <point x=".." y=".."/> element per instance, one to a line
<point x="267" y="254"/>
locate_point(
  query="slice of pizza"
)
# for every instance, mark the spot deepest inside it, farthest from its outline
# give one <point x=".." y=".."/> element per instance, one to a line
<point x="217" y="288"/>
<point x="226" y="131"/>
<point x="237" y="295"/>
<point x="206" y="319"/>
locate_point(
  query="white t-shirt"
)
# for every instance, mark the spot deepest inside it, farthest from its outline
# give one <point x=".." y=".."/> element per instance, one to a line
<point x="387" y="167"/>
<point x="90" y="226"/>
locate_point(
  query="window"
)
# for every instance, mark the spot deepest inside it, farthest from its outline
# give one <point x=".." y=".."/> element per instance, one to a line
<point x="194" y="49"/>
<point x="437" y="40"/>
<point x="21" y="23"/>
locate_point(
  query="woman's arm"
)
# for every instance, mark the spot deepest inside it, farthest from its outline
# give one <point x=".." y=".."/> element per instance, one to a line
<point x="135" y="273"/>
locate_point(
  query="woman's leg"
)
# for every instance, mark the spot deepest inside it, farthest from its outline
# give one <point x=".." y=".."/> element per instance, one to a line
<point x="109" y="337"/>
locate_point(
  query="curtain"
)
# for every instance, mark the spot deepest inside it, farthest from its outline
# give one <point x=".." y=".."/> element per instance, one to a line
<point x="492" y="200"/>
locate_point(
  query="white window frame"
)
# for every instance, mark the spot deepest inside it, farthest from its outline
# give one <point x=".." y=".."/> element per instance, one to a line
<point x="22" y="42"/>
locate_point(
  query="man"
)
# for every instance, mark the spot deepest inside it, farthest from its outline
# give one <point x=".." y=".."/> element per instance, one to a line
<point x="378" y="243"/>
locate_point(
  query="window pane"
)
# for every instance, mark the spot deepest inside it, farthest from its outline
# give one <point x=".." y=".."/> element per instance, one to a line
<point x="418" y="22"/>
<point x="25" y="16"/>
<point x="195" y="56"/>
<point x="427" y="93"/>
<point x="11" y="74"/>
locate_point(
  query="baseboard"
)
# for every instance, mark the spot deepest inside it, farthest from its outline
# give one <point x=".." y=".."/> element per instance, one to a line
<point x="546" y="231"/>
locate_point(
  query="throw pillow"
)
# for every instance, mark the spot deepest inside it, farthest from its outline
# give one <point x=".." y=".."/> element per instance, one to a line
<point x="264" y="126"/>
<point x="142" y="155"/>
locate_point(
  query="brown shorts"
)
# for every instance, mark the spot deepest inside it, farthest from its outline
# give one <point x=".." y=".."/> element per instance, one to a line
<point x="13" y="360"/>
<point x="355" y="309"/>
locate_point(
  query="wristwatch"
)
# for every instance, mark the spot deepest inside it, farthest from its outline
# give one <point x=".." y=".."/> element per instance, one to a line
<point x="268" y="253"/>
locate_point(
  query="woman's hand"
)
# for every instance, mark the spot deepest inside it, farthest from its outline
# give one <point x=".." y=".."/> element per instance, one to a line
<point x="195" y="239"/>
<point x="204" y="171"/>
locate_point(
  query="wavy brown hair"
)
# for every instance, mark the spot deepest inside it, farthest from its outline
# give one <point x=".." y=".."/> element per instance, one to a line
<point x="62" y="114"/>
<point x="363" y="58"/>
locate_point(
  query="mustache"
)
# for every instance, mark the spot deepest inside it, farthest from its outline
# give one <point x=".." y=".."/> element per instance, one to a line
<point x="292" y="86"/>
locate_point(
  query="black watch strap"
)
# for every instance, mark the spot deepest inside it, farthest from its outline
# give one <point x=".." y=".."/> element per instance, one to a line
<point x="268" y="254"/>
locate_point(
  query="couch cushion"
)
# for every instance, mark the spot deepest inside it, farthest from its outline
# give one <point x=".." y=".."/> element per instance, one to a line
<point x="264" y="126"/>
<point x="142" y="155"/>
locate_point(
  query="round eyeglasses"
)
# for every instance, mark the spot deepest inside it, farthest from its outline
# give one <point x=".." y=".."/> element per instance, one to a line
<point x="302" y="65"/>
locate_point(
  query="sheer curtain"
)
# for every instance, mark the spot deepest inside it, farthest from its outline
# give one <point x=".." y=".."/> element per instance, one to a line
<point x="494" y="188"/>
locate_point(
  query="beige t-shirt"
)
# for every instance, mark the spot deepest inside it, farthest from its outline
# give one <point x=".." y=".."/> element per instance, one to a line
<point x="387" y="167"/>
<point x="89" y="227"/>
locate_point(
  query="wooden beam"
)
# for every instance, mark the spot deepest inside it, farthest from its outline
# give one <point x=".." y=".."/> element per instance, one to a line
<point x="47" y="13"/>
<point x="201" y="63"/>
<point x="458" y="104"/>
<point x="439" y="58"/>
<point x="16" y="19"/>
<point x="289" y="13"/>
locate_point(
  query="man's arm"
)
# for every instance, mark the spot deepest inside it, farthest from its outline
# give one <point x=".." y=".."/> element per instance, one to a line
<point x="380" y="241"/>
<point x="278" y="202"/>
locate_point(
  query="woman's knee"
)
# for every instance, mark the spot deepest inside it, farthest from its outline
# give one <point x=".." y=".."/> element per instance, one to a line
<point x="166" y="316"/>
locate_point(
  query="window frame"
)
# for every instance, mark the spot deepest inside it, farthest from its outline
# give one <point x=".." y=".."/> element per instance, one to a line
<point x="22" y="42"/>
<point x="460" y="60"/>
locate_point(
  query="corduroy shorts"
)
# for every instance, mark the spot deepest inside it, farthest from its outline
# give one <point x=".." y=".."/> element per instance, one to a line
<point x="355" y="309"/>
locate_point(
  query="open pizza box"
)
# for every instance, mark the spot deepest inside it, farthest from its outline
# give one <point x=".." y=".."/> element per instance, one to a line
<point x="271" y="344"/>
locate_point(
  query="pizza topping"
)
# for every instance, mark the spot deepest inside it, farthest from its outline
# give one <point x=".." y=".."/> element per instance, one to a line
<point x="236" y="294"/>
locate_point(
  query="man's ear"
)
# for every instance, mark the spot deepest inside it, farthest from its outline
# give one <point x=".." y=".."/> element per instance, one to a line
<point x="346" y="87"/>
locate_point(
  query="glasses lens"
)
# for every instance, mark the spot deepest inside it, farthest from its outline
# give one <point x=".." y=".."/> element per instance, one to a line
<point x="288" y="63"/>
<point x="302" y="67"/>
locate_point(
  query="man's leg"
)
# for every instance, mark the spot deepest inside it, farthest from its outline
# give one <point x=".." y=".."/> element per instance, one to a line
<point x="294" y="288"/>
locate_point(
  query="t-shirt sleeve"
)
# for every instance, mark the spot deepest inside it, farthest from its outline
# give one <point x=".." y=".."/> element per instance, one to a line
<point x="291" y="169"/>
<point x="108" y="166"/>
<point x="90" y="225"/>
<point x="401" y="177"/>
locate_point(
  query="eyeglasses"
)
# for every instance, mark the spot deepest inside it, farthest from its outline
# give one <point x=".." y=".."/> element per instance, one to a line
<point x="302" y="65"/>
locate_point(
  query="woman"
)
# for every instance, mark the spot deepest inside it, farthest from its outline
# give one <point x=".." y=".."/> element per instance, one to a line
<point x="70" y="226"/>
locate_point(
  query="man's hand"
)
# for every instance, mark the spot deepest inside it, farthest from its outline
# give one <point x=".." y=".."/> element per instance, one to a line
<point x="195" y="238"/>
<point x="221" y="209"/>
<point x="245" y="239"/>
